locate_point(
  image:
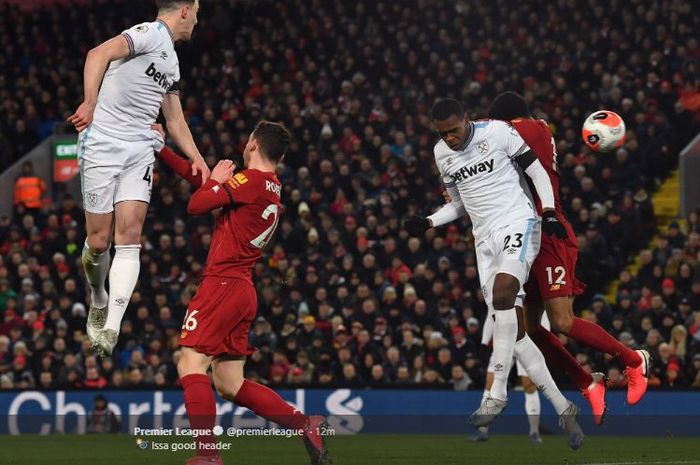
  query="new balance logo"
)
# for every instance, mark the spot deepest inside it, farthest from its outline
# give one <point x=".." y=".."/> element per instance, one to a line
<point x="158" y="77"/>
<point x="473" y="170"/>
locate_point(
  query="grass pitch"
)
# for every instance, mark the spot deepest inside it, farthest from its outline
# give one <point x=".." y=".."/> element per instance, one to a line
<point x="358" y="450"/>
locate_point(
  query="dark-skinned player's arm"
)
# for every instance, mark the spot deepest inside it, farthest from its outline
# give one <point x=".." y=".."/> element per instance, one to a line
<point x="532" y="167"/>
<point x="450" y="211"/>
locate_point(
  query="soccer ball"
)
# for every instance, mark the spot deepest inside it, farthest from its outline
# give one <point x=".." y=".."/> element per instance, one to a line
<point x="603" y="131"/>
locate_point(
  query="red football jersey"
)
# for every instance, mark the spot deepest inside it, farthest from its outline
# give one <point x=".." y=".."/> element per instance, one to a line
<point x="245" y="225"/>
<point x="538" y="137"/>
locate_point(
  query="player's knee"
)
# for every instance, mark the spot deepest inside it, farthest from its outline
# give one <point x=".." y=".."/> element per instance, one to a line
<point x="129" y="235"/>
<point x="226" y="392"/>
<point x="505" y="290"/>
<point x="563" y="321"/>
<point x="229" y="390"/>
<point x="503" y="300"/>
<point x="189" y="365"/>
<point x="98" y="242"/>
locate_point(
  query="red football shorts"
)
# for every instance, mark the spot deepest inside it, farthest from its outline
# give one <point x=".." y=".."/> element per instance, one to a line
<point x="219" y="316"/>
<point x="553" y="274"/>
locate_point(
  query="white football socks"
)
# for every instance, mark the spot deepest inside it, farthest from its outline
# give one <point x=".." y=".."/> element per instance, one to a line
<point x="122" y="281"/>
<point x="532" y="360"/>
<point x="96" y="266"/>
<point x="532" y="409"/>
<point x="505" y="331"/>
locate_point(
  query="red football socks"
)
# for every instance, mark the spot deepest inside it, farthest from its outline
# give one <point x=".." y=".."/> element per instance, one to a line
<point x="201" y="410"/>
<point x="554" y="352"/>
<point x="266" y="403"/>
<point x="596" y="337"/>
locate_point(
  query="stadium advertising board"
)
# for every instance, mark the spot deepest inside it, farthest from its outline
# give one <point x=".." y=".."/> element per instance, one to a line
<point x="65" y="159"/>
<point x="348" y="411"/>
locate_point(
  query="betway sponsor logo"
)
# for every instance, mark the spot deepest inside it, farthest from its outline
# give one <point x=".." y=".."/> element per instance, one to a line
<point x="158" y="77"/>
<point x="473" y="170"/>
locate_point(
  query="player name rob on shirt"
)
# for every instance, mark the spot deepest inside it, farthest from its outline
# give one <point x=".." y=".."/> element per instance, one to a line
<point x="469" y="171"/>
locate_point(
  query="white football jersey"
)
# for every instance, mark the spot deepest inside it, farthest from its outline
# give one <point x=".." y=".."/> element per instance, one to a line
<point x="486" y="176"/>
<point x="133" y="88"/>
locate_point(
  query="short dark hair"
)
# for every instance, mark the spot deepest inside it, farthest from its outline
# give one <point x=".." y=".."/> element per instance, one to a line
<point x="444" y="108"/>
<point x="509" y="105"/>
<point x="170" y="4"/>
<point x="274" y="138"/>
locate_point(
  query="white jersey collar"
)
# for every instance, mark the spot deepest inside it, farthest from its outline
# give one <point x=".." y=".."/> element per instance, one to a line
<point x="469" y="139"/>
<point x="167" y="28"/>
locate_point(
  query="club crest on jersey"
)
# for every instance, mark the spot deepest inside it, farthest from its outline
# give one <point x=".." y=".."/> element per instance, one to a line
<point x="483" y="147"/>
<point x="163" y="55"/>
<point x="473" y="170"/>
<point x="142" y="28"/>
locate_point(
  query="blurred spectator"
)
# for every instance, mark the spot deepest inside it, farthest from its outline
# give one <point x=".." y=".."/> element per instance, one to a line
<point x="460" y="379"/>
<point x="29" y="188"/>
<point x="101" y="418"/>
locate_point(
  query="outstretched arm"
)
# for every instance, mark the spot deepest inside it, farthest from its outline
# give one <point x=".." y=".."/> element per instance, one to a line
<point x="452" y="210"/>
<point x="180" y="166"/>
<point x="180" y="132"/>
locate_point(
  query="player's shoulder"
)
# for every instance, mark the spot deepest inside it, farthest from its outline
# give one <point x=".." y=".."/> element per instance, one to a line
<point x="531" y="125"/>
<point x="490" y="127"/>
<point x="145" y="28"/>
<point x="441" y="149"/>
<point x="493" y="125"/>
<point x="145" y="33"/>
<point x="261" y="181"/>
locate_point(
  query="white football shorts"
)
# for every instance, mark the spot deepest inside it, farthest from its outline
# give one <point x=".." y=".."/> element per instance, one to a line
<point x="511" y="249"/>
<point x="114" y="170"/>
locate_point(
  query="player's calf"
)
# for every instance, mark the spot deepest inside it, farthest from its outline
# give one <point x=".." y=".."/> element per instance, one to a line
<point x="266" y="403"/>
<point x="505" y="331"/>
<point x="96" y="266"/>
<point x="200" y="403"/>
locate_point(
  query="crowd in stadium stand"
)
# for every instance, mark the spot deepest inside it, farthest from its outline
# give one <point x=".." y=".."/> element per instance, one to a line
<point x="345" y="296"/>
